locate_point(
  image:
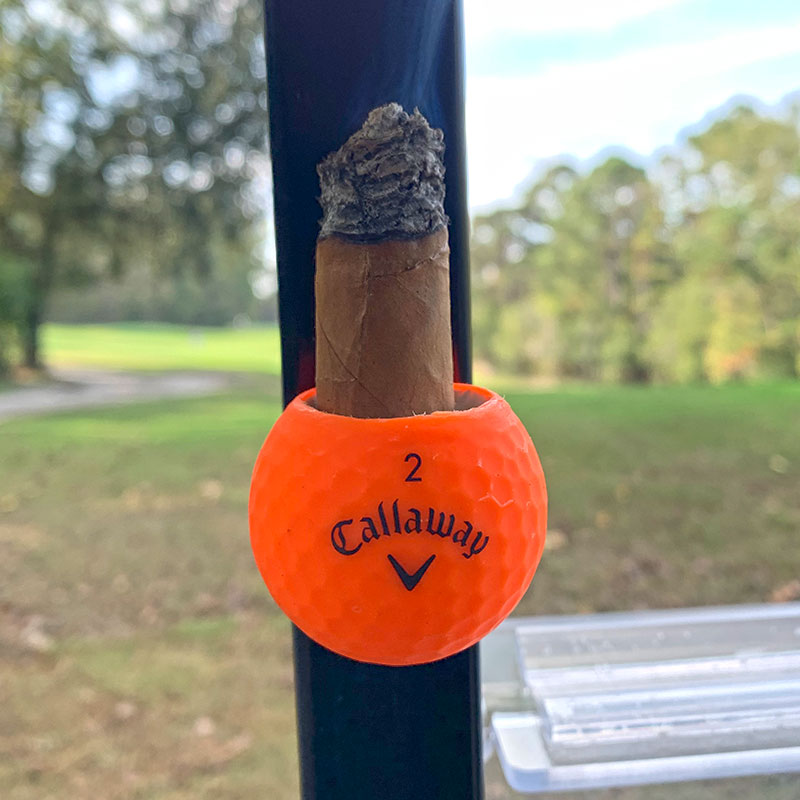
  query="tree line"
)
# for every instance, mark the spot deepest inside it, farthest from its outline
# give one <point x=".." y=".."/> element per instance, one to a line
<point x="688" y="271"/>
<point x="134" y="183"/>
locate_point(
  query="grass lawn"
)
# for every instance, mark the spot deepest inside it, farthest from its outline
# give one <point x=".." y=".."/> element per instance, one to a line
<point x="141" y="656"/>
<point x="156" y="347"/>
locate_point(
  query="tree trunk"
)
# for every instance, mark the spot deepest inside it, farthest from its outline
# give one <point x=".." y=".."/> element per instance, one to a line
<point x="31" y="356"/>
<point x="32" y="318"/>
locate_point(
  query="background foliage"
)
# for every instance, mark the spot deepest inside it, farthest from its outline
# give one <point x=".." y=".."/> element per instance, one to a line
<point x="689" y="271"/>
<point x="133" y="162"/>
<point x="134" y="179"/>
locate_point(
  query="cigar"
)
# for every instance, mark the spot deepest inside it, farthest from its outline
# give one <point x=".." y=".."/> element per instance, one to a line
<point x="383" y="340"/>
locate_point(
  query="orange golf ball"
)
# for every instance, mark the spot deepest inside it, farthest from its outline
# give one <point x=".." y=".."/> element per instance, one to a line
<point x="398" y="541"/>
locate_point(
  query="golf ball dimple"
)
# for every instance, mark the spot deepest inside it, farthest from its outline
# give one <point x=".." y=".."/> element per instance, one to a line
<point x="398" y="541"/>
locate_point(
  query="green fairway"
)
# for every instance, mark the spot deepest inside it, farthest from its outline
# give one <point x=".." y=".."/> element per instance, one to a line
<point x="141" y="656"/>
<point x="158" y="347"/>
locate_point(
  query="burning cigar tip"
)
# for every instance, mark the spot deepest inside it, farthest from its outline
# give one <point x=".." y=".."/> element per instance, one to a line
<point x="386" y="181"/>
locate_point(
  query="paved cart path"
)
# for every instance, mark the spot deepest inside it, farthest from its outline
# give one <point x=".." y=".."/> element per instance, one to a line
<point x="74" y="389"/>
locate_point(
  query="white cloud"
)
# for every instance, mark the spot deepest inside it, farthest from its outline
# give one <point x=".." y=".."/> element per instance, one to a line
<point x="488" y="18"/>
<point x="639" y="99"/>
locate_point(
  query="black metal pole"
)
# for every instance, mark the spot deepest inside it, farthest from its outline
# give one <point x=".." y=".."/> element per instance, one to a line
<point x="369" y="732"/>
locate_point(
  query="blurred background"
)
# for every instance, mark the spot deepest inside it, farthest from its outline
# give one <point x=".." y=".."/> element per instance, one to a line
<point x="635" y="189"/>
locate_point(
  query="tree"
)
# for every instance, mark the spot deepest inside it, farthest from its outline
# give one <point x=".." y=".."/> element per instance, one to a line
<point x="574" y="272"/>
<point x="610" y="243"/>
<point x="131" y="135"/>
<point x="736" y="231"/>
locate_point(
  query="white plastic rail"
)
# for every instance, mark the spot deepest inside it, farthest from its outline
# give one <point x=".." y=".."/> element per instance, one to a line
<point x="603" y="700"/>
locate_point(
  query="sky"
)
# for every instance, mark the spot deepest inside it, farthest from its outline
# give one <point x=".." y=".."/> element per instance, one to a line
<point x="551" y="77"/>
